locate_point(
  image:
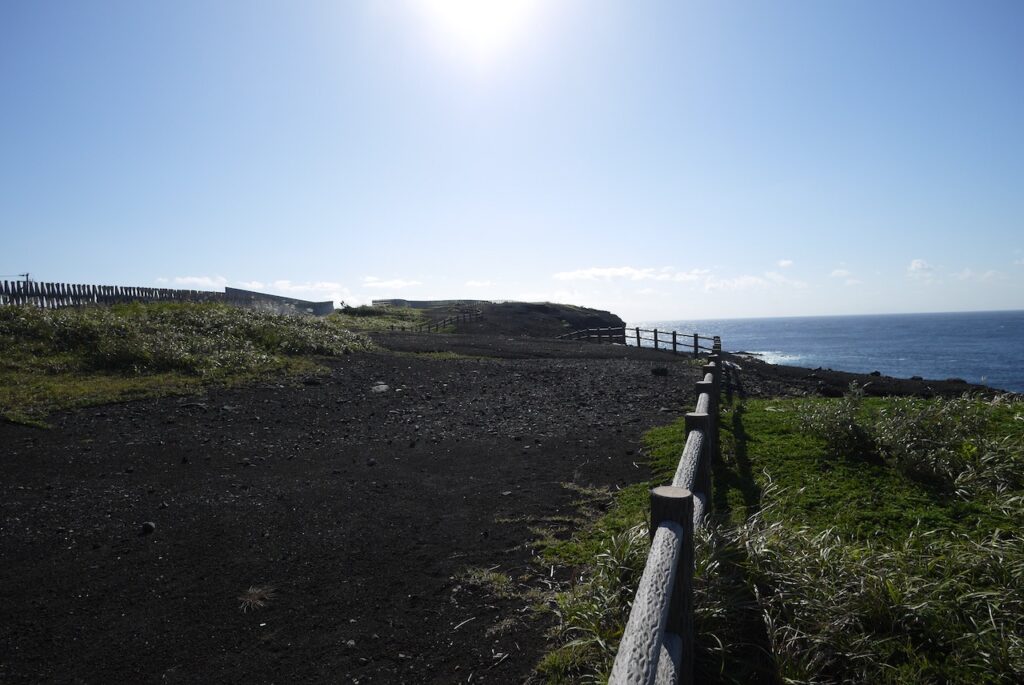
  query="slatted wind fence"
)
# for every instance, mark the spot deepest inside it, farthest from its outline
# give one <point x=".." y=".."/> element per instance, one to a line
<point x="657" y="644"/>
<point x="57" y="295"/>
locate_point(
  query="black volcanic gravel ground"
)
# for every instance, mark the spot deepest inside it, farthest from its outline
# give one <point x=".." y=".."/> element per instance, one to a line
<point x="360" y="508"/>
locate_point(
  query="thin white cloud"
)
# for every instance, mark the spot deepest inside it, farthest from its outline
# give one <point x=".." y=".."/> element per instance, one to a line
<point x="1018" y="262"/>
<point x="252" y="285"/>
<point x="921" y="271"/>
<point x="779" y="279"/>
<point x="631" y="273"/>
<point x="394" y="283"/>
<point x="983" y="277"/>
<point x="479" y="284"/>
<point x="286" y="286"/>
<point x="713" y="283"/>
<point x="920" y="266"/>
<point x="785" y="263"/>
<point x="839" y="273"/>
<point x="196" y="281"/>
<point x="853" y="281"/>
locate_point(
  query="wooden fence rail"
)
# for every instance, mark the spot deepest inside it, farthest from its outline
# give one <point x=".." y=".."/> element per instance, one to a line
<point x="674" y="341"/>
<point x="657" y="644"/>
<point x="435" y="326"/>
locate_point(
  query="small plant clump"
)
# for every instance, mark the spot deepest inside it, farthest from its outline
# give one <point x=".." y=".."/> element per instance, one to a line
<point x="591" y="614"/>
<point x="256" y="597"/>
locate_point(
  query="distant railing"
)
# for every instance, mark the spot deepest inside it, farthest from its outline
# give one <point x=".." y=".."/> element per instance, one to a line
<point x="435" y="326"/>
<point x="667" y="340"/>
<point x="657" y="643"/>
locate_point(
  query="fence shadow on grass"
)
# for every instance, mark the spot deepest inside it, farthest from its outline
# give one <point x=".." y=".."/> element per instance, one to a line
<point x="747" y="654"/>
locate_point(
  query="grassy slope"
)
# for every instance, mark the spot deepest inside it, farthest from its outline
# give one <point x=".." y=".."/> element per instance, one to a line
<point x="367" y="318"/>
<point x="52" y="360"/>
<point x="864" y="571"/>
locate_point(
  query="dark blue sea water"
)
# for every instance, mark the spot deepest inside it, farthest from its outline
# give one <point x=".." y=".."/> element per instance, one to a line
<point x="979" y="347"/>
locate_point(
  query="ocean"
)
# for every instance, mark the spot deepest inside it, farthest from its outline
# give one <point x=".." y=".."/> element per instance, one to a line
<point x="979" y="347"/>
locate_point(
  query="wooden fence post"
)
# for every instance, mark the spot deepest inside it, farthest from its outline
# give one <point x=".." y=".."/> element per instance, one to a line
<point x="702" y="474"/>
<point x="676" y="505"/>
<point x="674" y="351"/>
<point x="638" y="336"/>
<point x="696" y="345"/>
<point x="655" y="338"/>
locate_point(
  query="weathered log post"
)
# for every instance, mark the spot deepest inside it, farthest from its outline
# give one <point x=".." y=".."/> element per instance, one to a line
<point x="715" y="368"/>
<point x="653" y="647"/>
<point x="675" y="505"/>
<point x="700" y="421"/>
<point x="638" y="336"/>
<point x="674" y="350"/>
<point x="655" y="338"/>
<point x="696" y="345"/>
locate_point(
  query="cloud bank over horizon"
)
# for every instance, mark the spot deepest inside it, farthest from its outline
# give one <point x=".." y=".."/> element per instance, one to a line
<point x="662" y="292"/>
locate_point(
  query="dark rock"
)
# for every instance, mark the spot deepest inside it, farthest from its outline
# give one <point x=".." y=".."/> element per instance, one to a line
<point x="147" y="528"/>
<point x="659" y="371"/>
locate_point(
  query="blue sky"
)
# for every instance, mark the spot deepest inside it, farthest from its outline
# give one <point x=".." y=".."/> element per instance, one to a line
<point x="660" y="159"/>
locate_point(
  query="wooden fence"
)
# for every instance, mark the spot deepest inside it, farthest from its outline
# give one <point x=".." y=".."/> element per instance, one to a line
<point x="657" y="644"/>
<point x="58" y="295"/>
<point x="435" y="326"/>
<point x="666" y="340"/>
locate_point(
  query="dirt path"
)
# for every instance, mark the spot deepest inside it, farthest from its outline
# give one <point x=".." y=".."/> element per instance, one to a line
<point x="361" y="509"/>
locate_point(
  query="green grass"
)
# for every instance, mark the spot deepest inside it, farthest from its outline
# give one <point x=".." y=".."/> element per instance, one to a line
<point x="367" y="318"/>
<point x="59" y="359"/>
<point x="893" y="553"/>
<point x="857" y="540"/>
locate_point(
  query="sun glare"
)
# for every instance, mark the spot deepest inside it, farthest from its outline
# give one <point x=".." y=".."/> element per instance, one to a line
<point x="481" y="29"/>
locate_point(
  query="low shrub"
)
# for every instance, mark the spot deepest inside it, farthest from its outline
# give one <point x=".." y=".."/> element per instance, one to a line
<point x="939" y="441"/>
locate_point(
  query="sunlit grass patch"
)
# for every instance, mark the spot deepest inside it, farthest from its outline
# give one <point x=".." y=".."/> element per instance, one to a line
<point x="495" y="582"/>
<point x="831" y="560"/>
<point x="368" y="318"/>
<point x="58" y="359"/>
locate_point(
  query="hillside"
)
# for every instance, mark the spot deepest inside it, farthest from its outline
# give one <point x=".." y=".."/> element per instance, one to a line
<point x="538" y="320"/>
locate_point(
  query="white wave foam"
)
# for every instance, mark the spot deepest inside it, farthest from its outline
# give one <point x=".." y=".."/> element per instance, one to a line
<point x="777" y="357"/>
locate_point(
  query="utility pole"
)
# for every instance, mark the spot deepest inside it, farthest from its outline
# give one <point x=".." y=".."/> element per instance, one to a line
<point x="27" y="279"/>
